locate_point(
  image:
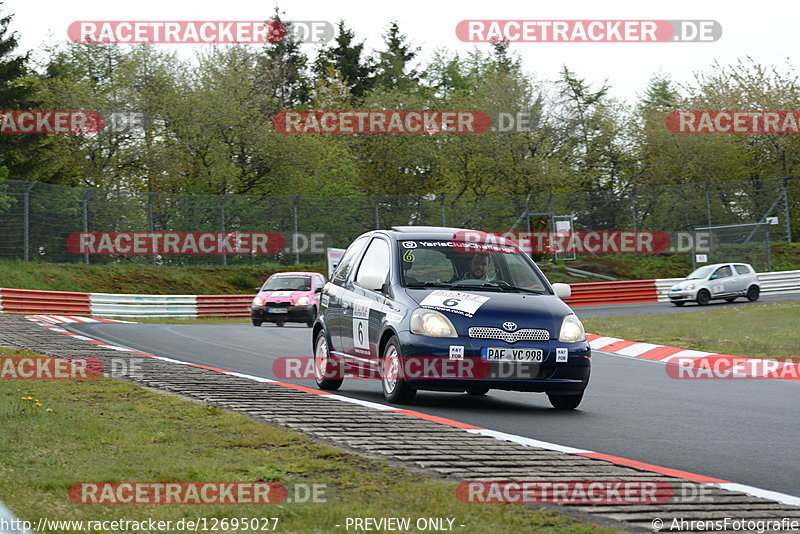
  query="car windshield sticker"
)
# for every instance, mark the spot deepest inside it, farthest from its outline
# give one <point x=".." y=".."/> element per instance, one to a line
<point x="408" y="256"/>
<point x="465" y="304"/>
<point x="361" y="309"/>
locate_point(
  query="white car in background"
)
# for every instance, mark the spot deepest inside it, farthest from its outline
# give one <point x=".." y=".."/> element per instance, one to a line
<point x="718" y="281"/>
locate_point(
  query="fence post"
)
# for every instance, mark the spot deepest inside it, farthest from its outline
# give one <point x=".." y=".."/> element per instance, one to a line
<point x="708" y="201"/>
<point x="769" y="254"/>
<point x="633" y="209"/>
<point x="150" y="220"/>
<point x="26" y="221"/>
<point x="85" y="210"/>
<point x="444" y="220"/>
<point x="222" y="225"/>
<point x="787" y="213"/>
<point x="294" y="237"/>
<point x="377" y="213"/>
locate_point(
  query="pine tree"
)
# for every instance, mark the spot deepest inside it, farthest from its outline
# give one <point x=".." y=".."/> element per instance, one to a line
<point x="346" y="58"/>
<point x="393" y="62"/>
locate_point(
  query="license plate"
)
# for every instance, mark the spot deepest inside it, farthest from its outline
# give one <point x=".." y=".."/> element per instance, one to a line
<point x="507" y="354"/>
<point x="277" y="310"/>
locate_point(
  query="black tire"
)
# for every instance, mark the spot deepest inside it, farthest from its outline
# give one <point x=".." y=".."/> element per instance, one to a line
<point x="678" y="303"/>
<point x="257" y="322"/>
<point x="325" y="367"/>
<point x="703" y="297"/>
<point x="730" y="299"/>
<point x="279" y="323"/>
<point x="565" y="402"/>
<point x="753" y="293"/>
<point x="477" y="392"/>
<point x="395" y="388"/>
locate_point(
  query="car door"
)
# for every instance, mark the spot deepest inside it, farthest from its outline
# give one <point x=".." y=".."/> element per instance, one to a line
<point x="722" y="281"/>
<point x="741" y="278"/>
<point x="362" y="319"/>
<point x="332" y="300"/>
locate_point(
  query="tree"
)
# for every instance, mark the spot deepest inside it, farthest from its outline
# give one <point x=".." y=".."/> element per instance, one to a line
<point x="392" y="70"/>
<point x="17" y="152"/>
<point x="282" y="70"/>
<point x="346" y="58"/>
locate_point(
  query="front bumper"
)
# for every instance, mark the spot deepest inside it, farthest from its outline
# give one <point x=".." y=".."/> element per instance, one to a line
<point x="298" y="314"/>
<point x="571" y="376"/>
<point x="683" y="295"/>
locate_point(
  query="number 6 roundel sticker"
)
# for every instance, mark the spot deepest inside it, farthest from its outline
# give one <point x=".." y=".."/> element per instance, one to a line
<point x="453" y="301"/>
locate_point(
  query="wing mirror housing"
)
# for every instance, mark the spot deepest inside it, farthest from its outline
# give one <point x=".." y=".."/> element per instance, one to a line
<point x="562" y="291"/>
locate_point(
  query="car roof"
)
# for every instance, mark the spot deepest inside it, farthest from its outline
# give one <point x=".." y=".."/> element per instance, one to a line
<point x="294" y="273"/>
<point x="424" y="232"/>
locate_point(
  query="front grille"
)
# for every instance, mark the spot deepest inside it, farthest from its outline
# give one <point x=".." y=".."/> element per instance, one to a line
<point x="523" y="334"/>
<point x="278" y="304"/>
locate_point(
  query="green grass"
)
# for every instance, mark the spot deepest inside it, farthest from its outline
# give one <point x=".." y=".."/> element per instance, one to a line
<point x="755" y="330"/>
<point x="109" y="430"/>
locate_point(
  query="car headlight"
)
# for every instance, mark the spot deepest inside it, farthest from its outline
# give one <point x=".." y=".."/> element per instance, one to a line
<point x="689" y="287"/>
<point x="302" y="301"/>
<point x="258" y="301"/>
<point x="572" y="330"/>
<point x="431" y="323"/>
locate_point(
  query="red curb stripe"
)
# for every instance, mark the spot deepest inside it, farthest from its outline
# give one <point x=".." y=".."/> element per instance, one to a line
<point x="440" y="420"/>
<point x="299" y="388"/>
<point x="650" y="467"/>
<point x="618" y="345"/>
<point x="592" y="337"/>
<point x="659" y="353"/>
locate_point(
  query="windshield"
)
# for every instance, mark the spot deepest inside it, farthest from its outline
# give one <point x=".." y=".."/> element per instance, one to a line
<point x="288" y="283"/>
<point x="699" y="273"/>
<point x="440" y="264"/>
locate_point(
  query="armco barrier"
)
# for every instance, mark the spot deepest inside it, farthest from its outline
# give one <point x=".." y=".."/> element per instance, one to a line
<point x="598" y="293"/>
<point x="223" y="305"/>
<point x="132" y="306"/>
<point x="123" y="305"/>
<point x="33" y="300"/>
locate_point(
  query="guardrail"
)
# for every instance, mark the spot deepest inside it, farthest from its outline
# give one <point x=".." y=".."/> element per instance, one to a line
<point x="133" y="306"/>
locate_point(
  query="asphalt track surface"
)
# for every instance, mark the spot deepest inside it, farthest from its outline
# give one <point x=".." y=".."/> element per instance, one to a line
<point x="744" y="431"/>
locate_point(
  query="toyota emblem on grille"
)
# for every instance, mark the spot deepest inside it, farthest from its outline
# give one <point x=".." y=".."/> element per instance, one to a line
<point x="508" y="325"/>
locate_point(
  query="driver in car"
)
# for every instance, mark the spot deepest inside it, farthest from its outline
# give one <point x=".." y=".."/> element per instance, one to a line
<point x="478" y="268"/>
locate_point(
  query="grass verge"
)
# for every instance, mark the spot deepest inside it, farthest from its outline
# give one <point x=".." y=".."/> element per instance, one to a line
<point x="756" y="330"/>
<point x="111" y="430"/>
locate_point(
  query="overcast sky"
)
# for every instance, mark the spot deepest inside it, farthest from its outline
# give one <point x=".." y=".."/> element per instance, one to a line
<point x="765" y="30"/>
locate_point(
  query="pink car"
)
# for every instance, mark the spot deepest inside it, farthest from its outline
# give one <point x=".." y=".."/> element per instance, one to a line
<point x="288" y="297"/>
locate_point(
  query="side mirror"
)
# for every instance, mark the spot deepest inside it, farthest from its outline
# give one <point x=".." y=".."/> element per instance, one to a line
<point x="258" y="289"/>
<point x="563" y="291"/>
<point x="713" y="277"/>
<point x="371" y="281"/>
<point x="318" y="290"/>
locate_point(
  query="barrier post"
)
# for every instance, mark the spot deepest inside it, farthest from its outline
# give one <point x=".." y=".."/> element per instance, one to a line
<point x="26" y="221"/>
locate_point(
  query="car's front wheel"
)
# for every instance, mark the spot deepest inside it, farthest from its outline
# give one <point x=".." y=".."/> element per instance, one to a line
<point x="703" y="297"/>
<point x="327" y="372"/>
<point x="565" y="402"/>
<point x="752" y="293"/>
<point x="257" y="322"/>
<point x="395" y="389"/>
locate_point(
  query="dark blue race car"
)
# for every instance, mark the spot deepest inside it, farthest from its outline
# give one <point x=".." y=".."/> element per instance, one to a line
<point x="435" y="309"/>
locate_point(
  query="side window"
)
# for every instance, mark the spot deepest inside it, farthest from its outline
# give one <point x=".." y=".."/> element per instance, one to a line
<point x="742" y="269"/>
<point x="320" y="280"/>
<point x="723" y="272"/>
<point x="346" y="263"/>
<point x="376" y="261"/>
